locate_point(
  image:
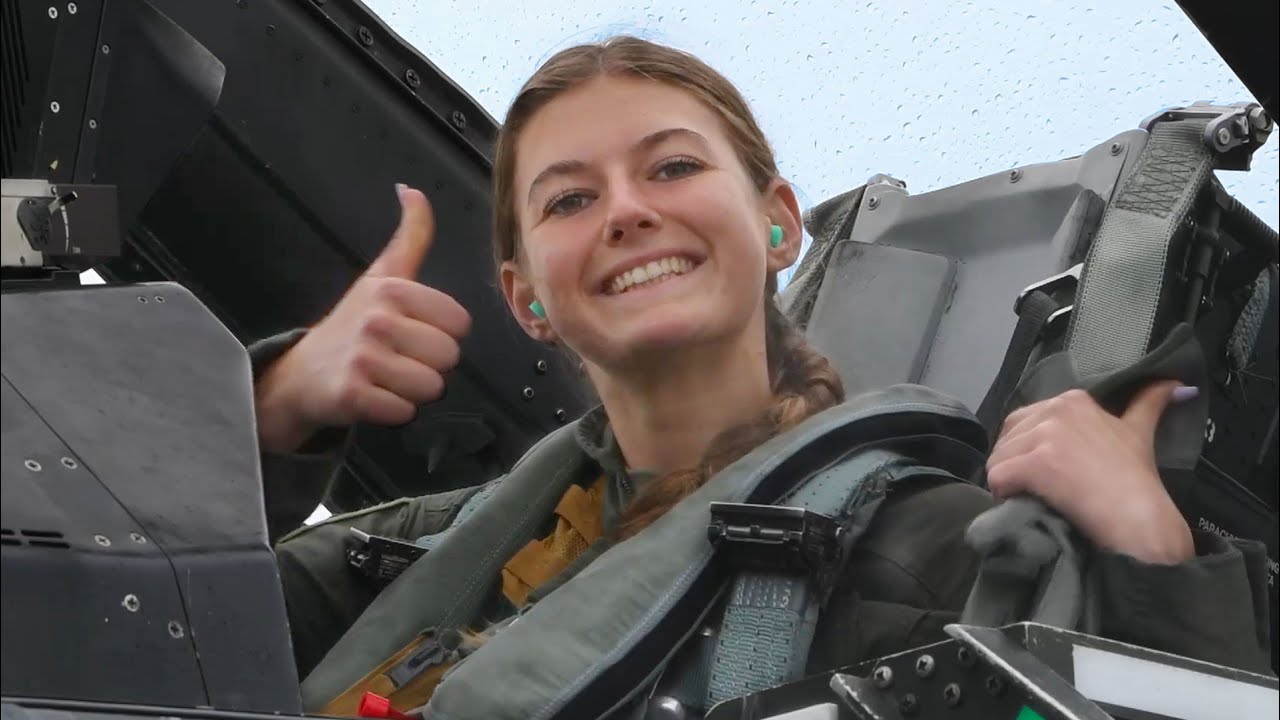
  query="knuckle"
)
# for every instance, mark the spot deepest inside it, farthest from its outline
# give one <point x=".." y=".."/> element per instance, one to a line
<point x="378" y="324"/>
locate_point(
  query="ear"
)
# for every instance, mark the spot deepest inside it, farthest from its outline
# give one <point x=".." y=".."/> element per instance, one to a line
<point x="519" y="294"/>
<point x="783" y="210"/>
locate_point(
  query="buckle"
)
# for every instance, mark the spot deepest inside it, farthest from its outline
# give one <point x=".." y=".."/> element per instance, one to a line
<point x="378" y="558"/>
<point x="770" y="538"/>
<point x="1233" y="131"/>
<point x="1050" y="285"/>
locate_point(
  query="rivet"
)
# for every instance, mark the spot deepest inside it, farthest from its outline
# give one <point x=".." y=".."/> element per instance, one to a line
<point x="458" y="119"/>
<point x="527" y="393"/>
<point x="131" y="603"/>
<point x="909" y="705"/>
<point x="53" y="13"/>
<point x="106" y="49"/>
<point x="159" y="298"/>
<point x="411" y="77"/>
<point x="1015" y="176"/>
<point x="137" y="538"/>
<point x="142" y="299"/>
<point x="32" y="465"/>
<point x="102" y="540"/>
<point x="54" y="106"/>
<point x="71" y="8"/>
<point x="175" y="629"/>
<point x="925" y="666"/>
<point x="1224" y="136"/>
<point x="873" y="203"/>
<point x="271" y="30"/>
<point x="951" y="695"/>
<point x="540" y="367"/>
<point x="882" y="677"/>
<point x="93" y="124"/>
<point x="964" y="656"/>
<point x="1116" y="148"/>
<point x="366" y="37"/>
<point x="70" y="463"/>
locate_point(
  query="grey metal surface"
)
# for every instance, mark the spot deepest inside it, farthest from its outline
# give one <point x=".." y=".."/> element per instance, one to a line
<point x="999" y="233"/>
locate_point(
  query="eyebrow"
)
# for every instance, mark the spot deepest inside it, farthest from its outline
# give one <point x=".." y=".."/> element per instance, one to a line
<point x="569" y="167"/>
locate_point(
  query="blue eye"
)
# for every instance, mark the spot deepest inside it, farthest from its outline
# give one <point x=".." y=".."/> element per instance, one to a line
<point x="566" y="203"/>
<point x="677" y="168"/>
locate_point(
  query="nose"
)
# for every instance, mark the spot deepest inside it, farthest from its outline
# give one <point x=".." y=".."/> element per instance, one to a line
<point x="630" y="213"/>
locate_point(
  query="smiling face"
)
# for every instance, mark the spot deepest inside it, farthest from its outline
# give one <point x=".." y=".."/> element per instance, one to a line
<point x="641" y="230"/>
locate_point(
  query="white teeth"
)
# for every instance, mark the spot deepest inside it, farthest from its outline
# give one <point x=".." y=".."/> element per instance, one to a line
<point x="654" y="270"/>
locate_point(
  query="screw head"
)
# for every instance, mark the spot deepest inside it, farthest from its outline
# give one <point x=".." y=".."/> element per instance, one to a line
<point x="32" y="465"/>
<point x="873" y="202"/>
<point x="1116" y="148"/>
<point x="70" y="463"/>
<point x="540" y="367"/>
<point x="1224" y="136"/>
<point x="411" y="78"/>
<point x="1259" y="118"/>
<point x="159" y="298"/>
<point x="106" y="49"/>
<point x="909" y="705"/>
<point x="53" y="13"/>
<point x="1015" y="176"/>
<point x="131" y="603"/>
<point x="142" y="299"/>
<point x="561" y="415"/>
<point x="93" y="124"/>
<point x="175" y="630"/>
<point x="271" y="30"/>
<point x="882" y="677"/>
<point x="951" y="695"/>
<point x="366" y="37"/>
<point x="925" y="666"/>
<point x="527" y="393"/>
<point x="994" y="685"/>
<point x="964" y="656"/>
<point x="54" y="106"/>
<point x="137" y="538"/>
<point x="458" y="119"/>
<point x="102" y="540"/>
<point x="71" y="8"/>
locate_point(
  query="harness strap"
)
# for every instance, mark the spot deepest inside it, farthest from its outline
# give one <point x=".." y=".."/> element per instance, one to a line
<point x="770" y="617"/>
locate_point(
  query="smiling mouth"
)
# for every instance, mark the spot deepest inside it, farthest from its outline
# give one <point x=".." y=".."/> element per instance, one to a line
<point x="650" y="274"/>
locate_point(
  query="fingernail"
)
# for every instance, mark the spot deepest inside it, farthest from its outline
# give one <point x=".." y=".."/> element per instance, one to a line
<point x="1185" y="393"/>
<point x="400" y="188"/>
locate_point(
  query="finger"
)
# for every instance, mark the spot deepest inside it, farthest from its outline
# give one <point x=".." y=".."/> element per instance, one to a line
<point x="424" y="343"/>
<point x="1023" y="418"/>
<point x="408" y="247"/>
<point x="1013" y="445"/>
<point x="406" y="378"/>
<point x="430" y="306"/>
<point x="1146" y="407"/>
<point x="1012" y="476"/>
<point x="382" y="407"/>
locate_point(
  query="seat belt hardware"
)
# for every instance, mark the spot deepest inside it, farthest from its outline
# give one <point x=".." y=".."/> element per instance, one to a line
<point x="379" y="558"/>
<point x="771" y="538"/>
<point x="1234" y="131"/>
<point x="1069" y="278"/>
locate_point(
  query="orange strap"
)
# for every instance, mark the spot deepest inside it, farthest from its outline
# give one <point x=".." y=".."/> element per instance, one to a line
<point x="579" y="523"/>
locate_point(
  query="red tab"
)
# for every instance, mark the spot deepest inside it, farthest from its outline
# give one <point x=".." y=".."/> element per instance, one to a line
<point x="377" y="707"/>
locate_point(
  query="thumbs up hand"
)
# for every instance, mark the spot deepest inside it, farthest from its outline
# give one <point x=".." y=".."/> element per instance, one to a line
<point x="379" y="353"/>
<point x="1097" y="470"/>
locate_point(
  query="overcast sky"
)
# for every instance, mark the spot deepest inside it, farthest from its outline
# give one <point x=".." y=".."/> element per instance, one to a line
<point x="934" y="93"/>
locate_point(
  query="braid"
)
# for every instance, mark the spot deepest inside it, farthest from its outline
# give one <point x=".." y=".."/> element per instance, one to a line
<point x="804" y="384"/>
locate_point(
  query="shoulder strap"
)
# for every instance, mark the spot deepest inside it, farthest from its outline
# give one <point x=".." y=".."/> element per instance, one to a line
<point x="468" y="509"/>
<point x="770" y="618"/>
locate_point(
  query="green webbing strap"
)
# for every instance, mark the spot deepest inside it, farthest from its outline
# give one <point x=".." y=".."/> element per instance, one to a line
<point x="768" y="624"/>
<point x="1123" y="278"/>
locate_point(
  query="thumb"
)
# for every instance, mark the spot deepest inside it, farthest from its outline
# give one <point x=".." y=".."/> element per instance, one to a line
<point x="408" y="247"/>
<point x="1148" y="405"/>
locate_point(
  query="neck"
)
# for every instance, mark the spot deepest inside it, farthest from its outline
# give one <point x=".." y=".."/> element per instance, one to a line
<point x="666" y="413"/>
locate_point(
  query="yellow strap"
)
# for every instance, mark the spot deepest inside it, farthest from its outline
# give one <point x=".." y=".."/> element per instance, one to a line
<point x="579" y="523"/>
